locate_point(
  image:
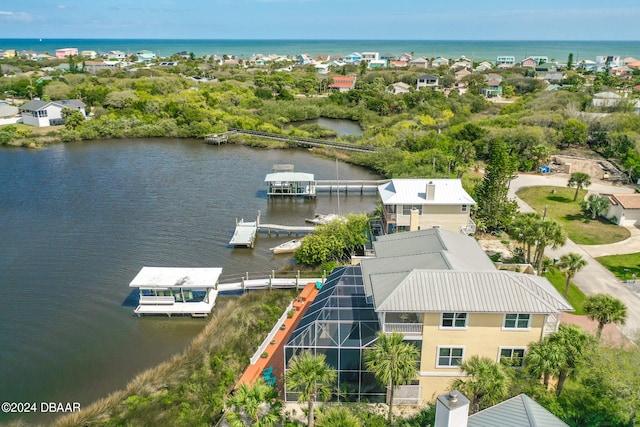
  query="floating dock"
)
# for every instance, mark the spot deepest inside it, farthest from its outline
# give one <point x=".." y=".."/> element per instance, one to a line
<point x="245" y="233"/>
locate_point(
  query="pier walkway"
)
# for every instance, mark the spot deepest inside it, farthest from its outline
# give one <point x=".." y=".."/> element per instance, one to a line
<point x="245" y="233"/>
<point x="289" y="229"/>
<point x="349" y="185"/>
<point x="300" y="141"/>
<point x="271" y="282"/>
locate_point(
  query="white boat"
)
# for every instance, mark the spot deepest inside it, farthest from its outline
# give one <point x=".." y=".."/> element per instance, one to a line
<point x="168" y="290"/>
<point x="287" y="247"/>
<point x="320" y="219"/>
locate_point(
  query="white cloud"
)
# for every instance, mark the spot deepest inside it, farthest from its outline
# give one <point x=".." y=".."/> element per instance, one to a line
<point x="15" y="16"/>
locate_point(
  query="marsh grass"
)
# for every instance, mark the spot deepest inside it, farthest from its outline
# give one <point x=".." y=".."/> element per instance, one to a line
<point x="190" y="388"/>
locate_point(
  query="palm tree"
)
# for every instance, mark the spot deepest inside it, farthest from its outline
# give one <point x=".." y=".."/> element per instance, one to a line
<point x="596" y="205"/>
<point x="605" y="309"/>
<point x="312" y="378"/>
<point x="570" y="264"/>
<point x="486" y="383"/>
<point x="575" y="344"/>
<point x="338" y="416"/>
<point x="543" y="359"/>
<point x="393" y="362"/>
<point x="547" y="233"/>
<point x="254" y="405"/>
<point x="579" y="180"/>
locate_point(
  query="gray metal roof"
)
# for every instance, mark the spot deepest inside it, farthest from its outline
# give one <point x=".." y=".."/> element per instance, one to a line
<point x="7" y="110"/>
<point x="413" y="191"/>
<point x="462" y="291"/>
<point x="38" y="104"/>
<point x="519" y="411"/>
<point x="289" y="177"/>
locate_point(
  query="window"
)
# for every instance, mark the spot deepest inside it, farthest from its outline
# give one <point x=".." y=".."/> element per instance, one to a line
<point x="449" y="356"/>
<point x="453" y="320"/>
<point x="516" y="321"/>
<point x="406" y="209"/>
<point x="512" y="357"/>
<point x="464" y="208"/>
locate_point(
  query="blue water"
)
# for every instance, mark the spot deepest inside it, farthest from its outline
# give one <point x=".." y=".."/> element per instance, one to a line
<point x="476" y="49"/>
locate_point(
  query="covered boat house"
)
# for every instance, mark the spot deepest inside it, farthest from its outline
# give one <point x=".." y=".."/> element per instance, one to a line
<point x="291" y="184"/>
<point x="170" y="290"/>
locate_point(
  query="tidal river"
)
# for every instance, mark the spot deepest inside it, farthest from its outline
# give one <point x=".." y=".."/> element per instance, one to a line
<point x="78" y="221"/>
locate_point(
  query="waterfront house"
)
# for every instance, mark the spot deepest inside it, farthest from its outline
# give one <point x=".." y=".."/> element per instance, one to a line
<point x="376" y="63"/>
<point x="462" y="63"/>
<point x="9" y="53"/>
<point x="145" y="56"/>
<point x="116" y="55"/>
<point x="529" y="63"/>
<point x="405" y="57"/>
<point x="414" y="204"/>
<point x="48" y="113"/>
<point x="509" y="60"/>
<point x="483" y="66"/>
<point x="9" y="114"/>
<point x="427" y="80"/>
<point x="66" y="52"/>
<point x="442" y="292"/>
<point x="398" y="64"/>
<point x="304" y="59"/>
<point x="353" y="58"/>
<point x="370" y="56"/>
<point x="289" y="183"/>
<point x="91" y="54"/>
<point x="343" y="83"/>
<point x="439" y="62"/>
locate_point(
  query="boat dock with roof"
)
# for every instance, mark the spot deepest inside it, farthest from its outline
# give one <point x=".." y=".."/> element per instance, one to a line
<point x="172" y="290"/>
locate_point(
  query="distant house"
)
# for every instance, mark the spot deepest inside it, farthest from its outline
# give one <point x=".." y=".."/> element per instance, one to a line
<point x="343" y="83"/>
<point x="9" y="53"/>
<point x="529" y="63"/>
<point x="66" y="52"/>
<point x="421" y="62"/>
<point x="370" y="56"/>
<point x="413" y="204"/>
<point x="398" y="63"/>
<point x="9" y="114"/>
<point x="625" y="208"/>
<point x="493" y="88"/>
<point x="462" y="73"/>
<point x="145" y="56"/>
<point x="93" y="67"/>
<point x="353" y="58"/>
<point x="377" y="63"/>
<point x="304" y="59"/>
<point x="322" y="68"/>
<point x="546" y="67"/>
<point x="605" y="99"/>
<point x="91" y="54"/>
<point x="116" y="55"/>
<point x="510" y="60"/>
<point x="427" y="80"/>
<point x="387" y="56"/>
<point x="48" y="113"/>
<point x="462" y="64"/>
<point x="399" y="88"/>
<point x="439" y="61"/>
<point x="483" y="66"/>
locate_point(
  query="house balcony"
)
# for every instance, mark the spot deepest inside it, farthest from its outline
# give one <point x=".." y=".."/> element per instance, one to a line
<point x="551" y="325"/>
<point x="468" y="229"/>
<point x="403" y="328"/>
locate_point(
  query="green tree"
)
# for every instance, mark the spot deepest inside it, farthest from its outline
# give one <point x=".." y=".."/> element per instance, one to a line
<point x="72" y="118"/>
<point x="570" y="264"/>
<point x="574" y="132"/>
<point x="495" y="209"/>
<point x="393" y="362"/>
<point x="596" y="205"/>
<point x="570" y="62"/>
<point x="337" y="416"/>
<point x="486" y="383"/>
<point x="576" y="345"/>
<point x="547" y="233"/>
<point x="605" y="309"/>
<point x="544" y="359"/>
<point x="522" y="230"/>
<point x="310" y="376"/>
<point x="254" y="405"/>
<point x="579" y="180"/>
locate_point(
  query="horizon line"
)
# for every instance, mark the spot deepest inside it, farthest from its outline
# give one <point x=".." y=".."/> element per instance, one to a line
<point x="319" y="39"/>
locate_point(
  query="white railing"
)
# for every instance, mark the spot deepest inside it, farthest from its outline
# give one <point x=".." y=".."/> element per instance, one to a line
<point x="156" y="300"/>
<point x="272" y="334"/>
<point x="404" y="328"/>
<point x="551" y="325"/>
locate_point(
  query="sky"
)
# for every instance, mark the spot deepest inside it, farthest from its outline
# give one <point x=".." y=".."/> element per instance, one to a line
<point x="322" y="19"/>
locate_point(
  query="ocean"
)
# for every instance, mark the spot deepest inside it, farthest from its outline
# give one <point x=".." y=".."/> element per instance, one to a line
<point x="472" y="49"/>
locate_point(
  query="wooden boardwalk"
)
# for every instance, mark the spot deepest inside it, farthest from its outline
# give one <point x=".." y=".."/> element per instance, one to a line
<point x="289" y="229"/>
<point x="299" y="141"/>
<point x="349" y="185"/>
<point x="245" y="233"/>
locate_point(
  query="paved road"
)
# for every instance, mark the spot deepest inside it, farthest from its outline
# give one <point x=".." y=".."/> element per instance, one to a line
<point x="593" y="278"/>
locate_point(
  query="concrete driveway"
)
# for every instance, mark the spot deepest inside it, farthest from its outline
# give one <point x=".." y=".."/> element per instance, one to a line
<point x="593" y="278"/>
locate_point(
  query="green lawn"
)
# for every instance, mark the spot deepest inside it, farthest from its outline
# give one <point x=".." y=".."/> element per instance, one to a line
<point x="576" y="297"/>
<point x="623" y="266"/>
<point x="561" y="207"/>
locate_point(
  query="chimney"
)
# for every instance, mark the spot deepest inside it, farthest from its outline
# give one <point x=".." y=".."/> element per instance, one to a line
<point x="452" y="410"/>
<point x="431" y="190"/>
<point x="414" y="220"/>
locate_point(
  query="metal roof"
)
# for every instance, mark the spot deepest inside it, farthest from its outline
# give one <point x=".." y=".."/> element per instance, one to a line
<point x="38" y="104"/>
<point x="463" y="291"/>
<point x="413" y="192"/>
<point x="289" y="177"/>
<point x="519" y="411"/>
<point x="176" y="277"/>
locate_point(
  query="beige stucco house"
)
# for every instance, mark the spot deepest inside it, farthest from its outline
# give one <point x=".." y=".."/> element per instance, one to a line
<point x="416" y="204"/>
<point x="624" y="208"/>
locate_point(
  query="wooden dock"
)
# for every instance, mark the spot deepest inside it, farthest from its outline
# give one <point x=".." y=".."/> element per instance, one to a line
<point x="289" y="229"/>
<point x="347" y="186"/>
<point x="245" y="233"/>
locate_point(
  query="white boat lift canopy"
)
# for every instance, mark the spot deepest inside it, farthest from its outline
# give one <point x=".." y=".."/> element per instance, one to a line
<point x="176" y="277"/>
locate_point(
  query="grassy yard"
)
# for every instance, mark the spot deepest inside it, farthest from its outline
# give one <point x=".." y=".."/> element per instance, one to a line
<point x="562" y="208"/>
<point x="623" y="266"/>
<point x="576" y="297"/>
